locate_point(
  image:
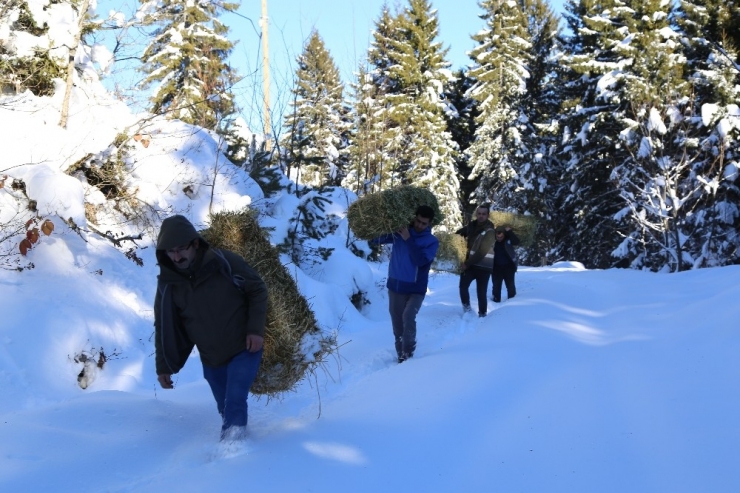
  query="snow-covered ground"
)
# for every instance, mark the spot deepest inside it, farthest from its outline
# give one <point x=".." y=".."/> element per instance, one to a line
<point x="586" y="381"/>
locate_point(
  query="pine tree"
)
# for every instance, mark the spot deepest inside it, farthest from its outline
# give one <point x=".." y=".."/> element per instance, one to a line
<point x="35" y="65"/>
<point x="500" y="69"/>
<point x="531" y="189"/>
<point x="588" y="200"/>
<point x="410" y="72"/>
<point x="711" y="46"/>
<point x="366" y="156"/>
<point x="187" y="57"/>
<point x="318" y="128"/>
<point x="462" y="126"/>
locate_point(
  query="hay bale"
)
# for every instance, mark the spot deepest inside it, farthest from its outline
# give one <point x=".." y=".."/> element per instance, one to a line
<point x="524" y="226"/>
<point x="294" y="343"/>
<point x="451" y="253"/>
<point x="387" y="211"/>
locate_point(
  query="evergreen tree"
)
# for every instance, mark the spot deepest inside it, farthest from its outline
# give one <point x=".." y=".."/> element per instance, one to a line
<point x="410" y="71"/>
<point x="382" y="57"/>
<point x="318" y="127"/>
<point x="366" y="156"/>
<point x="500" y="69"/>
<point x="588" y="200"/>
<point x="462" y="126"/>
<point x="187" y="57"/>
<point x="35" y="65"/>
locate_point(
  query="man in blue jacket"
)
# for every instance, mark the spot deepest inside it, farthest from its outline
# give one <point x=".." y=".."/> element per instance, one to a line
<point x="414" y="249"/>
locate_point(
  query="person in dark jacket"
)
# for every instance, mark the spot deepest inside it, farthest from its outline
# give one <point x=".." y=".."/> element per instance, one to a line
<point x="504" y="263"/>
<point x="479" y="259"/>
<point x="198" y="303"/>
<point x="414" y="249"/>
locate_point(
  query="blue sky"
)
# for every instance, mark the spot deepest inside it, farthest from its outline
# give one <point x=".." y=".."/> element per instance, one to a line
<point x="344" y="25"/>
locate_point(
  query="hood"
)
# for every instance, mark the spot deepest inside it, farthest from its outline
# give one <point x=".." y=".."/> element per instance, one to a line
<point x="176" y="231"/>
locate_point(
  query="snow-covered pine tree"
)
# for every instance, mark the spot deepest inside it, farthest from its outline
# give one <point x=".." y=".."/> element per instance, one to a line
<point x="462" y="125"/>
<point x="712" y="46"/>
<point x="500" y="69"/>
<point x="669" y="180"/>
<point x="34" y="65"/>
<point x="187" y="58"/>
<point x="383" y="130"/>
<point x="366" y="158"/>
<point x="410" y="69"/>
<point x="318" y="126"/>
<point x="522" y="179"/>
<point x="587" y="199"/>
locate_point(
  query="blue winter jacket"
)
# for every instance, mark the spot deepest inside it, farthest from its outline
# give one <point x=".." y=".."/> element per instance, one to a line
<point x="408" y="272"/>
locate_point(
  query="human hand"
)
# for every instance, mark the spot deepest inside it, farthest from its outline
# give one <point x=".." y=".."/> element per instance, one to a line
<point x="165" y="380"/>
<point x="254" y="343"/>
<point x="404" y="232"/>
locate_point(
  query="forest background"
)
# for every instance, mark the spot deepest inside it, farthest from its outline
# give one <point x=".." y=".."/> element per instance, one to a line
<point x="615" y="127"/>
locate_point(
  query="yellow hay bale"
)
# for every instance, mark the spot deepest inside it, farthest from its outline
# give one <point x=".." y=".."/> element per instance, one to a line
<point x="523" y="226"/>
<point x="294" y="343"/>
<point x="451" y="253"/>
<point x="387" y="211"/>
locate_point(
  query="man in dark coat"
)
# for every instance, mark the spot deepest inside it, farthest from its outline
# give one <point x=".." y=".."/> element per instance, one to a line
<point x="479" y="259"/>
<point x="504" y="262"/>
<point x="211" y="299"/>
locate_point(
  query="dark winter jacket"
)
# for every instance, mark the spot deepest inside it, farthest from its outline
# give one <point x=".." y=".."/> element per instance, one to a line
<point x="408" y="272"/>
<point x="504" y="253"/>
<point x="480" y="238"/>
<point x="202" y="306"/>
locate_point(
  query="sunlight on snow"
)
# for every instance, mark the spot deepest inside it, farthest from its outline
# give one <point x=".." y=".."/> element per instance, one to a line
<point x="588" y="335"/>
<point x="336" y="451"/>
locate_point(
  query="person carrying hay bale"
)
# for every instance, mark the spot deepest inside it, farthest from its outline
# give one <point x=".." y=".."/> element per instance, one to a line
<point x="385" y="212"/>
<point x="504" y="262"/>
<point x="214" y="300"/>
<point x="414" y="249"/>
<point x="479" y="261"/>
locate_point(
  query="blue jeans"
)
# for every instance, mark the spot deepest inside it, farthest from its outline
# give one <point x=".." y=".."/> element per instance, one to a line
<point x="230" y="384"/>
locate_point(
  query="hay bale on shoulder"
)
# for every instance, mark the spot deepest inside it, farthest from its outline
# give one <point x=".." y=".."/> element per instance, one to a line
<point x="523" y="226"/>
<point x="294" y="343"/>
<point x="451" y="253"/>
<point x="387" y="211"/>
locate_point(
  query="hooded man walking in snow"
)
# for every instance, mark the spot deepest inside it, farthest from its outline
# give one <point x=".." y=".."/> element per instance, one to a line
<point x="414" y="249"/>
<point x="211" y="299"/>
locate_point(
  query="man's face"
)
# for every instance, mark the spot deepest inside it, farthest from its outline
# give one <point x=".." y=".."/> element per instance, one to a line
<point x="183" y="256"/>
<point x="421" y="223"/>
<point x="481" y="215"/>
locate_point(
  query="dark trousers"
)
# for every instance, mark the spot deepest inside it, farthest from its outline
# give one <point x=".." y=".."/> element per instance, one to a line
<point x="503" y="275"/>
<point x="230" y="385"/>
<point x="480" y="276"/>
<point x="403" y="308"/>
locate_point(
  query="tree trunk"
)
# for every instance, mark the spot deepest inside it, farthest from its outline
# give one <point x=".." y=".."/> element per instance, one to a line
<point x="71" y="63"/>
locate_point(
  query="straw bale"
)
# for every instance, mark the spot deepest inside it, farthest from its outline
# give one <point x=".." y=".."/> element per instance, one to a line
<point x="523" y="226"/>
<point x="451" y="253"/>
<point x="387" y="211"/>
<point x="294" y="343"/>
